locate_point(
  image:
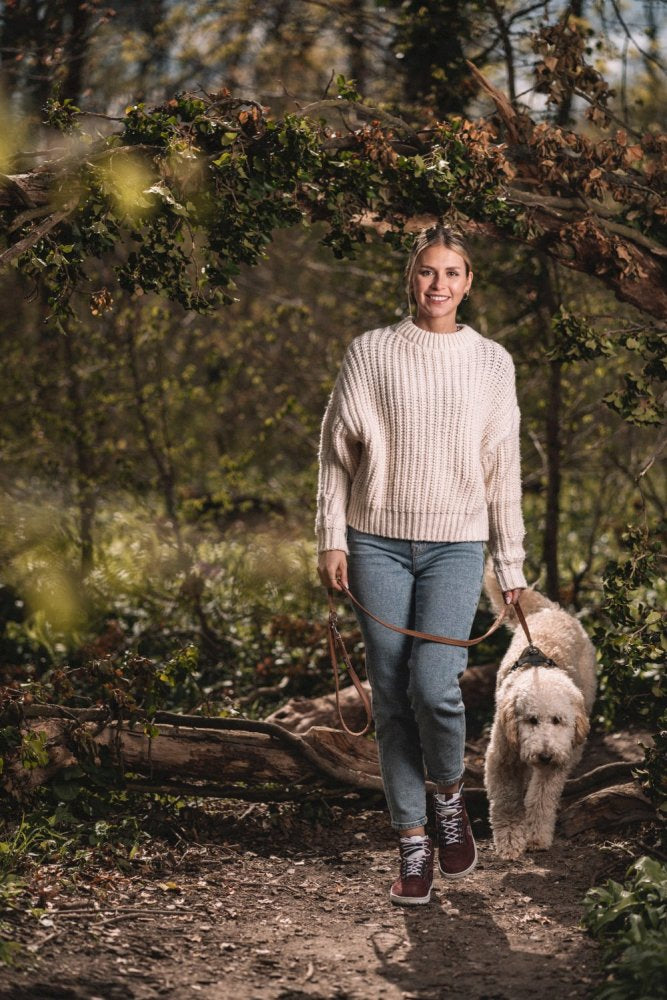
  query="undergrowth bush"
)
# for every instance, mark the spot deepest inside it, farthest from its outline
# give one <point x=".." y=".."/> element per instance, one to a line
<point x="630" y="921"/>
<point x="631" y="643"/>
<point x="188" y="621"/>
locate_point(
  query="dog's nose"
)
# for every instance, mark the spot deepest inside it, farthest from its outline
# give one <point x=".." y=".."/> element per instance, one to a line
<point x="545" y="758"/>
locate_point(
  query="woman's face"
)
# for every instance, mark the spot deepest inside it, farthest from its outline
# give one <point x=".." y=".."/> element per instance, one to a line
<point x="439" y="284"/>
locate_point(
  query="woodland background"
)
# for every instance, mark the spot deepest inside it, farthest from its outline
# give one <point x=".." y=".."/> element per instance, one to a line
<point x="158" y="435"/>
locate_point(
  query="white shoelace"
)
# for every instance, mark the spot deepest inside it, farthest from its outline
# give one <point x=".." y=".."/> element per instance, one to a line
<point x="413" y="857"/>
<point x="450" y="821"/>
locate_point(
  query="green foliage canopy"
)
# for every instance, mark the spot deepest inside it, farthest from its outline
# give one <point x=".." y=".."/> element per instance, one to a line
<point x="190" y="190"/>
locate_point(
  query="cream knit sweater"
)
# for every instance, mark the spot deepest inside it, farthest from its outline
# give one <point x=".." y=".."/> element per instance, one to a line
<point x="420" y="440"/>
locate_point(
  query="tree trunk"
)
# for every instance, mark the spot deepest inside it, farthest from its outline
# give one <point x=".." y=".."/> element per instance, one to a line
<point x="151" y="17"/>
<point x="75" y="46"/>
<point x="576" y="9"/>
<point x="161" y="456"/>
<point x="552" y="508"/>
<point x="356" y="44"/>
<point x="554" y="400"/>
<point x="85" y="480"/>
<point x="548" y="305"/>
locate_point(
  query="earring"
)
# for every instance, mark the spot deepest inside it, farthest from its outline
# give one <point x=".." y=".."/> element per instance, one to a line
<point x="466" y="297"/>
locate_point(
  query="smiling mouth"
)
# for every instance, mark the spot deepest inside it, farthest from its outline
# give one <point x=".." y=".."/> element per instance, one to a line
<point x="438" y="298"/>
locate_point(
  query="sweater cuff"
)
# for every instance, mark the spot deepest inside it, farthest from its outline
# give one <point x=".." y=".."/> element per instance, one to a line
<point x="509" y="575"/>
<point x="332" y="538"/>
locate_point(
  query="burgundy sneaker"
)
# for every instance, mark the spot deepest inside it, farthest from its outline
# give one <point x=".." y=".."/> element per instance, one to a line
<point x="457" y="851"/>
<point x="413" y="887"/>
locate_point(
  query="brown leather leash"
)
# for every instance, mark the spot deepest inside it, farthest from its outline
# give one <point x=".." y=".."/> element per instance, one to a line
<point x="336" y="638"/>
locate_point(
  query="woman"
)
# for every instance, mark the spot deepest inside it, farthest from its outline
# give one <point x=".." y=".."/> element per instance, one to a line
<point x="419" y="466"/>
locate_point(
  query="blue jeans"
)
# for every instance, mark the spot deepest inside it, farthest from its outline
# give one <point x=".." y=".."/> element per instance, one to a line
<point x="417" y="705"/>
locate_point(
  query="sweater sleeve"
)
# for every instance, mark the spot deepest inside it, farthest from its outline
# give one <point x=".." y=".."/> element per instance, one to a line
<point x="502" y="476"/>
<point x="339" y="455"/>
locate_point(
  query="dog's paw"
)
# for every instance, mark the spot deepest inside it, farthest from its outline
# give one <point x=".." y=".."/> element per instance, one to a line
<point x="539" y="841"/>
<point x="509" y="844"/>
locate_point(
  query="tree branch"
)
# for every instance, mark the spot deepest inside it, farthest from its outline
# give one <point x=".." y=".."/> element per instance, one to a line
<point x="559" y="206"/>
<point x="367" y="113"/>
<point x="14" y="251"/>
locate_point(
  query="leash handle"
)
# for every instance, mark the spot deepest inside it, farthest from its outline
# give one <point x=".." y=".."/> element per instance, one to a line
<point x="336" y="638"/>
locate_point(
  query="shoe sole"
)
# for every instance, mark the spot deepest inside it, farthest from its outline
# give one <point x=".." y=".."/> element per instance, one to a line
<point x="410" y="900"/>
<point x="455" y="875"/>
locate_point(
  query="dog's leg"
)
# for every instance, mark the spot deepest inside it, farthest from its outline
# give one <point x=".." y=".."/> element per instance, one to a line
<point x="504" y="777"/>
<point x="542" y="798"/>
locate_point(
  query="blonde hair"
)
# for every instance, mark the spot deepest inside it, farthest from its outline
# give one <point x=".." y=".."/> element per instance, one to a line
<point x="438" y="235"/>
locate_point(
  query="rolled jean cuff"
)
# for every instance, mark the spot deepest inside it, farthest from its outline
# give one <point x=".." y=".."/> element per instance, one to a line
<point x="446" y="781"/>
<point x="410" y="826"/>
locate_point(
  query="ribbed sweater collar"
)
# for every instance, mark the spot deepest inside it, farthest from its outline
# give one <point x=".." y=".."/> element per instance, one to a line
<point x="463" y="339"/>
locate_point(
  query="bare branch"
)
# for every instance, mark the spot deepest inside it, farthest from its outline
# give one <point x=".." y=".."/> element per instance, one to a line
<point x="11" y="253"/>
<point x="365" y="112"/>
<point x="647" y="55"/>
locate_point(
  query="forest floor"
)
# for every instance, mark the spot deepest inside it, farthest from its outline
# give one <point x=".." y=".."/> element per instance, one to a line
<point x="260" y="903"/>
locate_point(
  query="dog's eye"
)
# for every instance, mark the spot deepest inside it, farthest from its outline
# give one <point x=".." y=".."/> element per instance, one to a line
<point x="533" y="720"/>
<point x="556" y="720"/>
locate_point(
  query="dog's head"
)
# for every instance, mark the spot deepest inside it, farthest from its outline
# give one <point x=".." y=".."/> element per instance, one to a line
<point x="544" y="719"/>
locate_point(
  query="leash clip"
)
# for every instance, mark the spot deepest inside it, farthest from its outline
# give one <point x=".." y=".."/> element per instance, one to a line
<point x="333" y="624"/>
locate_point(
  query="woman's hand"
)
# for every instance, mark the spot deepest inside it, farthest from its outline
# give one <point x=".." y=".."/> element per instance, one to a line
<point x="332" y="565"/>
<point x="512" y="596"/>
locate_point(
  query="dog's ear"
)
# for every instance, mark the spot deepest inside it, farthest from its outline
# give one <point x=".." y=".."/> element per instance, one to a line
<point x="507" y="718"/>
<point x="581" y="725"/>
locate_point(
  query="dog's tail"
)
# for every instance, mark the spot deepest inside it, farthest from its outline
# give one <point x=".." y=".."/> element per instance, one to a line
<point x="531" y="600"/>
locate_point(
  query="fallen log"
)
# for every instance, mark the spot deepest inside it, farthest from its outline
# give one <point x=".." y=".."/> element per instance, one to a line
<point x="605" y="774"/>
<point x="191" y="754"/>
<point x="298" y="715"/>
<point x="217" y="752"/>
<point x="261" y="761"/>
<point x="607" y="809"/>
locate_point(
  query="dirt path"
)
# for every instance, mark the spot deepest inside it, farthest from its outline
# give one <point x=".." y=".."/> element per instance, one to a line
<point x="263" y="904"/>
<point x="306" y="914"/>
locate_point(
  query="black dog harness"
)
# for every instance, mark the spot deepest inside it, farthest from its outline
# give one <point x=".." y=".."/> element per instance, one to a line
<point x="533" y="657"/>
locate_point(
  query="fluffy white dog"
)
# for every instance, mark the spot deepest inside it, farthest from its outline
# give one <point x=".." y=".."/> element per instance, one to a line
<point x="540" y="725"/>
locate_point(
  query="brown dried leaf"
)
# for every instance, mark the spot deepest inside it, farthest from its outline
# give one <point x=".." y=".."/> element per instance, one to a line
<point x="632" y="154"/>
